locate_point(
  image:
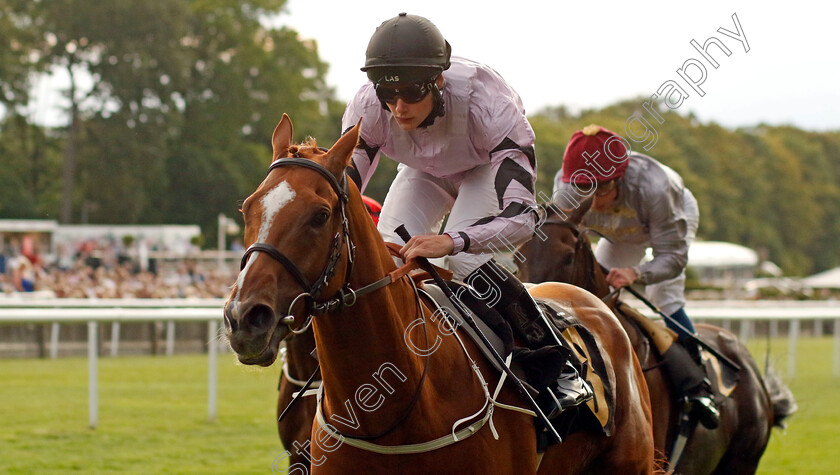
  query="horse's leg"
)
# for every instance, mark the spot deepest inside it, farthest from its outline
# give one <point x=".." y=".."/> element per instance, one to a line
<point x="630" y="449"/>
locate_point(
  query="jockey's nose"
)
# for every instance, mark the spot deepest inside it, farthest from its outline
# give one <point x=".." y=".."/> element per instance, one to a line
<point x="401" y="105"/>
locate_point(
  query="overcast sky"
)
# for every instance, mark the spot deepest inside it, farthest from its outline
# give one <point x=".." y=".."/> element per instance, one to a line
<point x="592" y="53"/>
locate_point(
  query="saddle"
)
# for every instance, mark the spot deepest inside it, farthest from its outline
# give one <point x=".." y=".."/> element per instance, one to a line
<point x="530" y="366"/>
<point x="723" y="379"/>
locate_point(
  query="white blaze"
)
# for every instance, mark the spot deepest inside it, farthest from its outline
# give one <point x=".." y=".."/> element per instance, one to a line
<point x="272" y="203"/>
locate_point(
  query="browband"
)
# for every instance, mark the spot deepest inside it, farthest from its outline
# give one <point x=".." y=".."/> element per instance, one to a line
<point x="341" y="191"/>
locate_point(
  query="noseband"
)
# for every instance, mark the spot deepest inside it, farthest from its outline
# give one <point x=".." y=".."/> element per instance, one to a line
<point x="312" y="291"/>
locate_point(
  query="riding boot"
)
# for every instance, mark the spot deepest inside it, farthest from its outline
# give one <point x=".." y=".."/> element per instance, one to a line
<point x="684" y="367"/>
<point x="532" y="330"/>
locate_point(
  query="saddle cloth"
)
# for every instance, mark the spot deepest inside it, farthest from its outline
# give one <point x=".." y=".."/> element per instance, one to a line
<point x="723" y="378"/>
<point x="588" y="351"/>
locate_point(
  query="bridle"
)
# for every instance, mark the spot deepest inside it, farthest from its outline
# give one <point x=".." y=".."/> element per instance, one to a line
<point x="346" y="296"/>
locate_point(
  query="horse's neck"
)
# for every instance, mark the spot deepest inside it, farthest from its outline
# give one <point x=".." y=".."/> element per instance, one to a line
<point x="364" y="346"/>
<point x="590" y="276"/>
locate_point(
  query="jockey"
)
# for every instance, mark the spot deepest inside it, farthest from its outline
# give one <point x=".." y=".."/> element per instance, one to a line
<point x="639" y="203"/>
<point x="464" y="147"/>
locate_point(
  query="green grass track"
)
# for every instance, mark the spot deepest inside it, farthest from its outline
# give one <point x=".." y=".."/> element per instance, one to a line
<point x="153" y="415"/>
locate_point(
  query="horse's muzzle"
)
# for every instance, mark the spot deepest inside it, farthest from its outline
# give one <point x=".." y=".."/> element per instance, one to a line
<point x="254" y="331"/>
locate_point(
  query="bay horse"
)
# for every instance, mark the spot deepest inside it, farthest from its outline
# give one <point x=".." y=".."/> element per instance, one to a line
<point x="562" y="253"/>
<point x="401" y="392"/>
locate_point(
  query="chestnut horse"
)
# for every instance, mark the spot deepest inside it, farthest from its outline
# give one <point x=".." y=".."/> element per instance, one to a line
<point x="298" y="367"/>
<point x="747" y="416"/>
<point x="401" y="392"/>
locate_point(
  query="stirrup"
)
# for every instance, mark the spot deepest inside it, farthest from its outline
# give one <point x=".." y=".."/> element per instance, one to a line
<point x="569" y="390"/>
<point x="704" y="409"/>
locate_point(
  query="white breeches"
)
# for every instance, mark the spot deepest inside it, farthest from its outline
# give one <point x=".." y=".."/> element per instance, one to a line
<point x="421" y="202"/>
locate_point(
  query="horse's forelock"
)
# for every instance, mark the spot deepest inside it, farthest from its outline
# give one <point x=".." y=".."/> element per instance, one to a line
<point x="308" y="147"/>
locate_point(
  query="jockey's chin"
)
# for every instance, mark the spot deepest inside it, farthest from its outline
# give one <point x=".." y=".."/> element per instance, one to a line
<point x="604" y="203"/>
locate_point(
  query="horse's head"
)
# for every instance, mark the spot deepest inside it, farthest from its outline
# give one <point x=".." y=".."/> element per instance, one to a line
<point x="297" y="238"/>
<point x="551" y="255"/>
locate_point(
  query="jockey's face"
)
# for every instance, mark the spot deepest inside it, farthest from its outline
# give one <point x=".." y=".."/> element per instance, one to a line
<point x="605" y="195"/>
<point x="410" y="115"/>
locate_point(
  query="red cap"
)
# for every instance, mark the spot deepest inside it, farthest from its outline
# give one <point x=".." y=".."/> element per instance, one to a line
<point x="594" y="154"/>
<point x="374" y="208"/>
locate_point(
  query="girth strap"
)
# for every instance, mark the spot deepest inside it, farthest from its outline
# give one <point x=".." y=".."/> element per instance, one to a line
<point x="435" y="444"/>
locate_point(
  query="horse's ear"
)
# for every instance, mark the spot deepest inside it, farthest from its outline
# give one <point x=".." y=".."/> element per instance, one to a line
<point x="576" y="214"/>
<point x="281" y="139"/>
<point x="341" y="153"/>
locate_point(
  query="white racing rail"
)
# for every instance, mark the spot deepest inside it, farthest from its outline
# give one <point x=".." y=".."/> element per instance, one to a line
<point x="92" y="312"/>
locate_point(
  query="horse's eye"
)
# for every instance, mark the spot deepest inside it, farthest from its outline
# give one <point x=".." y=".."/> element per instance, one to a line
<point x="566" y="258"/>
<point x="320" y="219"/>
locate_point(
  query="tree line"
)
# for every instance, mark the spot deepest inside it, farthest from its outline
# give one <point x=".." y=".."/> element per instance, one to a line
<point x="775" y="189"/>
<point x="169" y="107"/>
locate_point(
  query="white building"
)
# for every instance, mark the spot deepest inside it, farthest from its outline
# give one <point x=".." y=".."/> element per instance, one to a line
<point x="829" y="279"/>
<point x="722" y="264"/>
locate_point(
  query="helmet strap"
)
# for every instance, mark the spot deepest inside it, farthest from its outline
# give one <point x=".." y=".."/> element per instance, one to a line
<point x="437" y="107"/>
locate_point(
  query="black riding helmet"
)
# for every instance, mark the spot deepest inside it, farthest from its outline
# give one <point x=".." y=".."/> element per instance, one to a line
<point x="408" y="49"/>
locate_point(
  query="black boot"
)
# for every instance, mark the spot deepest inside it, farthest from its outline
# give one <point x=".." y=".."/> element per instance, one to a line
<point x="532" y="330"/>
<point x="701" y="397"/>
<point x="503" y="292"/>
<point x="690" y="382"/>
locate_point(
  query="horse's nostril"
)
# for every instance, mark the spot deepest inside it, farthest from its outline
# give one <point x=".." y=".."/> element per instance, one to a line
<point x="230" y="323"/>
<point x="258" y="319"/>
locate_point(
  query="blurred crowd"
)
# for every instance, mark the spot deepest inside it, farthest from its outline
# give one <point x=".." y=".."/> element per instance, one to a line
<point x="106" y="269"/>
